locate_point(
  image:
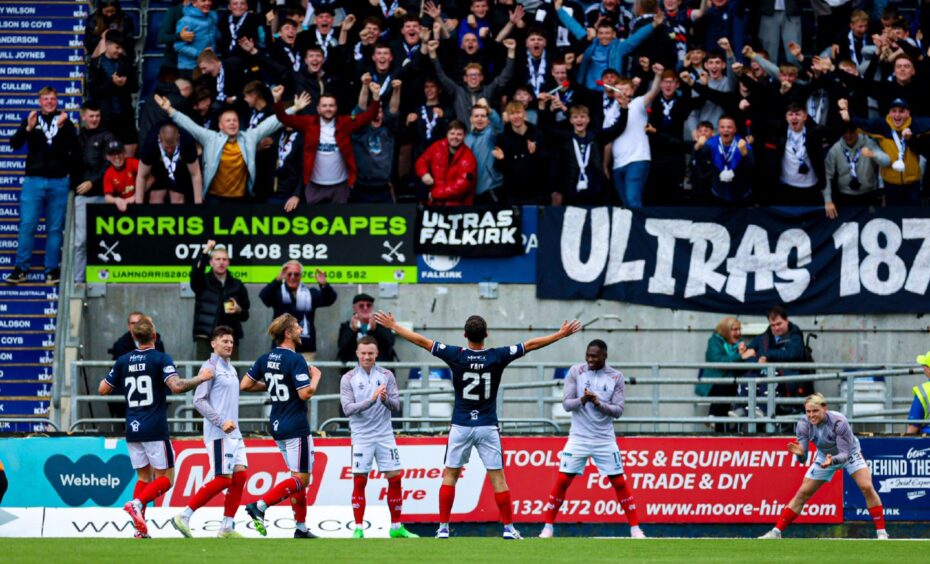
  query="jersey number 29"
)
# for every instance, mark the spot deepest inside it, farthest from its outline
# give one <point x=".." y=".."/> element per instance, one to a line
<point x="277" y="389"/>
<point x="143" y="385"/>
<point x="473" y="380"/>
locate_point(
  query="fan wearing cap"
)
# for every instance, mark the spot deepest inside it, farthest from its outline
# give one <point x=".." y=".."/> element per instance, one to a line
<point x="363" y="324"/>
<point x="119" y="180"/>
<point x="920" y="408"/>
<point x="288" y="294"/>
<point x="895" y="135"/>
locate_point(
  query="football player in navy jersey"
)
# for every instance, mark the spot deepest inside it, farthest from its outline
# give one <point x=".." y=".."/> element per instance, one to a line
<point x="476" y="375"/>
<point x="145" y="376"/>
<point x="290" y="383"/>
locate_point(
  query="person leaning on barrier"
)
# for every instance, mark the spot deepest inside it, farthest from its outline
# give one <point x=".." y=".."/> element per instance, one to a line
<point x="920" y="408"/>
<point x="287" y="294"/>
<point x="222" y="299"/>
<point x="724" y="345"/>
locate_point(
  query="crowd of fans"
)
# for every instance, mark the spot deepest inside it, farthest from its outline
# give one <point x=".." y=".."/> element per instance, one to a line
<point x="454" y="102"/>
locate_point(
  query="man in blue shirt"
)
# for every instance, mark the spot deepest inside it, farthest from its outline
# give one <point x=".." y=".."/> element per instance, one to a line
<point x="145" y="376"/>
<point x="920" y="408"/>
<point x="284" y="374"/>
<point x="476" y="376"/>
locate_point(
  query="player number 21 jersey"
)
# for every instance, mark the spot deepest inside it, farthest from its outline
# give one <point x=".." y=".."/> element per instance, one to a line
<point x="476" y="376"/>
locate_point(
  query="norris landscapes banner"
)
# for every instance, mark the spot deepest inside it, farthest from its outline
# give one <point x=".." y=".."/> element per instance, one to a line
<point x="155" y="244"/>
<point x="738" y="261"/>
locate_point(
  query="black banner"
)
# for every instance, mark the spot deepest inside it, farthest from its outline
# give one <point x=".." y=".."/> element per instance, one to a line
<point x="352" y="244"/>
<point x="469" y="231"/>
<point x="739" y="261"/>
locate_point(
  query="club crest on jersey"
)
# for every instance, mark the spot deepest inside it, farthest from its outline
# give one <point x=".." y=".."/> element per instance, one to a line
<point x="135" y="426"/>
<point x="441" y="346"/>
<point x="302" y="377"/>
<point x="474" y="414"/>
<point x="513" y="349"/>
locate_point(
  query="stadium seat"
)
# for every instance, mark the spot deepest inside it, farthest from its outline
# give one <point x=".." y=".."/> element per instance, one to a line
<point x="156" y="19"/>
<point x="150" y="67"/>
<point x="868" y="394"/>
<point x="440" y="405"/>
<point x="136" y="16"/>
<point x="558" y="412"/>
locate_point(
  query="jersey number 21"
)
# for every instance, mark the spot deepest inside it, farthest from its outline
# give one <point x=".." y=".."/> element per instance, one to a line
<point x="473" y="380"/>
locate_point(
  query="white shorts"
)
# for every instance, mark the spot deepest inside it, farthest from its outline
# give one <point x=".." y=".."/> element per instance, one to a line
<point x="486" y="439"/>
<point x="157" y="454"/>
<point x="225" y="454"/>
<point x="297" y="453"/>
<point x="384" y="452"/>
<point x="853" y="464"/>
<point x="576" y="453"/>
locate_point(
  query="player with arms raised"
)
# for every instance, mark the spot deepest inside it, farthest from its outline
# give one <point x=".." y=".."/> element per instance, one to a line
<point x="290" y="383"/>
<point x="837" y="448"/>
<point x="593" y="394"/>
<point x="368" y="394"/>
<point x="145" y="376"/>
<point x="218" y="402"/>
<point x="476" y="376"/>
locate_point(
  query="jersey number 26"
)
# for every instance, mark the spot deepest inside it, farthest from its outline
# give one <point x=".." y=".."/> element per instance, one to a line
<point x="277" y="389"/>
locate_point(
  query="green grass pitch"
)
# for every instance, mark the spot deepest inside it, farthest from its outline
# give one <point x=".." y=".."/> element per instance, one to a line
<point x="458" y="550"/>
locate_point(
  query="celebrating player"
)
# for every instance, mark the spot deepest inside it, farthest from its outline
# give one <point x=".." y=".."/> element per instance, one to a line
<point x="593" y="394"/>
<point x="218" y="401"/>
<point x="290" y="383"/>
<point x="144" y="376"/>
<point x="476" y="375"/>
<point x="837" y="447"/>
<point x="369" y="393"/>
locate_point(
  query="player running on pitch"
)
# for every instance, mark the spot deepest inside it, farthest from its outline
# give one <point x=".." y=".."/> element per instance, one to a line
<point x="837" y="447"/>
<point x="290" y="383"/>
<point x="218" y="401"/>
<point x="144" y="376"/>
<point x="368" y="394"/>
<point x="594" y="395"/>
<point x="476" y="375"/>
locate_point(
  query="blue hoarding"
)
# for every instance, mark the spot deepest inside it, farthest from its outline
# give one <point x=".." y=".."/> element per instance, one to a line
<point x="901" y="475"/>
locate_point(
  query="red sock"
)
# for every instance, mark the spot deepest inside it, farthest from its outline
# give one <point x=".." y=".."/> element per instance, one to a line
<point x="299" y="505"/>
<point x="154" y="489"/>
<point x="878" y="515"/>
<point x="557" y="496"/>
<point x="234" y="494"/>
<point x="503" y="505"/>
<point x="282" y="491"/>
<point x="140" y="486"/>
<point x="446" y="498"/>
<point x="359" y="481"/>
<point x="786" y="518"/>
<point x="625" y="498"/>
<point x="395" y="498"/>
<point x="210" y="489"/>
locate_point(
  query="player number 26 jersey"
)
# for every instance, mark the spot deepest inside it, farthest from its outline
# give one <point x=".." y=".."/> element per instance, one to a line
<point x="476" y="376"/>
<point x="284" y="372"/>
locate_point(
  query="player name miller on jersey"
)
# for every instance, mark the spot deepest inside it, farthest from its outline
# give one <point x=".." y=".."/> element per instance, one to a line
<point x="284" y="372"/>
<point x="476" y="376"/>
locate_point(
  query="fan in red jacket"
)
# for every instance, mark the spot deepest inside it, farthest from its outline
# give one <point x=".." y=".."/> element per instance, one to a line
<point x="449" y="168"/>
<point x="329" y="160"/>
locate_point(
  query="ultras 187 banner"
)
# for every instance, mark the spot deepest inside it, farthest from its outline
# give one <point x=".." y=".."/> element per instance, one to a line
<point x="738" y="261"/>
<point x="153" y="244"/>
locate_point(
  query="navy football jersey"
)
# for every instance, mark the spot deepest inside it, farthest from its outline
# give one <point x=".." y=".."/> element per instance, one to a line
<point x="141" y="377"/>
<point x="284" y="372"/>
<point x="476" y="376"/>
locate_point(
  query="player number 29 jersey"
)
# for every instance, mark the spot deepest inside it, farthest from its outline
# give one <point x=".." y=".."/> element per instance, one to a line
<point x="284" y="372"/>
<point x="476" y="376"/>
<point x="141" y="377"/>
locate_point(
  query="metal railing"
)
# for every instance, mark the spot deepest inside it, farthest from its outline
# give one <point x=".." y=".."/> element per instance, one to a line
<point x="63" y="318"/>
<point x="539" y="393"/>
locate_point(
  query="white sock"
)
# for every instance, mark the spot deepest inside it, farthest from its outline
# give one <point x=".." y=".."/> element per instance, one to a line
<point x="508" y="527"/>
<point x="879" y="531"/>
<point x="302" y="527"/>
<point x="635" y="529"/>
<point x="262" y="506"/>
<point x="443" y="525"/>
<point x="187" y="512"/>
<point x="548" y="527"/>
<point x="229" y="523"/>
<point x="395" y="526"/>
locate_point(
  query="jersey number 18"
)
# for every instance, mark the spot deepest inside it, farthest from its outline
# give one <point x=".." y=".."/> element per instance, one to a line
<point x="474" y="380"/>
